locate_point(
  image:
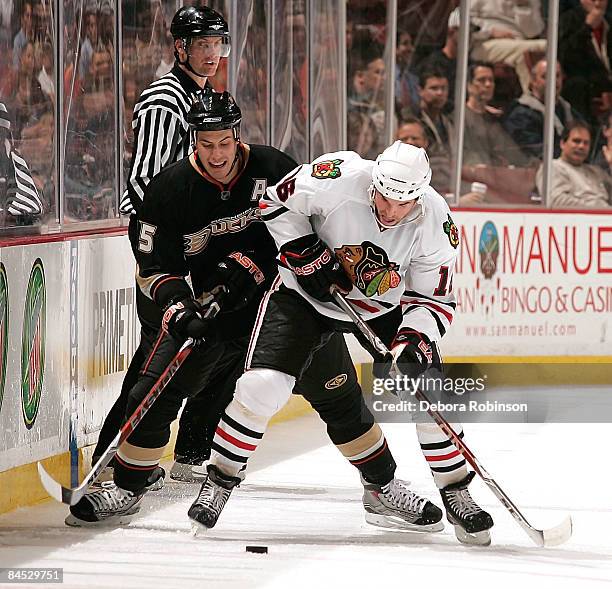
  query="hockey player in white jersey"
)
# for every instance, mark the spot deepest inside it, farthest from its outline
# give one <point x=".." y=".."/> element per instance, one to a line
<point x="378" y="232"/>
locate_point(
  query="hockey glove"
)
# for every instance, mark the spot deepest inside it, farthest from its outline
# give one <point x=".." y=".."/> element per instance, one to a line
<point x="315" y="266"/>
<point x="185" y="319"/>
<point x="238" y="277"/>
<point x="413" y="352"/>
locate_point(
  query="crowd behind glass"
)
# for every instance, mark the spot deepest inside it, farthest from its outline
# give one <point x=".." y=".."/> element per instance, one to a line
<point x="286" y="72"/>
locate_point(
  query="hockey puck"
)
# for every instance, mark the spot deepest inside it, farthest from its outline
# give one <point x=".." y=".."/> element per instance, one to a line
<point x="257" y="549"/>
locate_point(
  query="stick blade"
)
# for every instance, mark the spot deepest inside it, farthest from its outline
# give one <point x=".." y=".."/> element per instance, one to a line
<point x="559" y="534"/>
<point x="52" y="487"/>
<point x="57" y="491"/>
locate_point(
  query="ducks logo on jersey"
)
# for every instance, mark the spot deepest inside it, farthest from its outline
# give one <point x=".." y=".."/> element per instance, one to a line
<point x="327" y="169"/>
<point x="369" y="268"/>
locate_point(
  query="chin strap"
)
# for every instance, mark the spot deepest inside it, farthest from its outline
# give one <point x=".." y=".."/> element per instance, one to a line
<point x="186" y="63"/>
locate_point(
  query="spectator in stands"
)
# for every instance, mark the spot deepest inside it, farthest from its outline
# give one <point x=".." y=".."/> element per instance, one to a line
<point x="434" y="95"/>
<point x="525" y="119"/>
<point x="602" y="145"/>
<point x="362" y="134"/>
<point x="585" y="48"/>
<point x="24" y="35"/>
<point x="366" y="85"/>
<point x="27" y="99"/>
<point x="445" y="59"/>
<point x="45" y="75"/>
<point x="485" y="141"/>
<point x="367" y="69"/>
<point x="6" y="30"/>
<point x="573" y="182"/>
<point x="406" y="82"/>
<point x="40" y="25"/>
<point x="412" y="131"/>
<point x="506" y="30"/>
<point x="90" y="42"/>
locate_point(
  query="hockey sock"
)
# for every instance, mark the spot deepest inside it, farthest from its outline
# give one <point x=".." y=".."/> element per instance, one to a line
<point x="236" y="438"/>
<point x="370" y="454"/>
<point x="134" y="466"/>
<point x="445" y="461"/>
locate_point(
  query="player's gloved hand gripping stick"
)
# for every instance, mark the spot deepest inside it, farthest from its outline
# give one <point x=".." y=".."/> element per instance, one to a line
<point x="72" y="496"/>
<point x="549" y="537"/>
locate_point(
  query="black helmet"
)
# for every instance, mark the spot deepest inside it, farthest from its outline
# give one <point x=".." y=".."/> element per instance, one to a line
<point x="214" y="111"/>
<point x="200" y="21"/>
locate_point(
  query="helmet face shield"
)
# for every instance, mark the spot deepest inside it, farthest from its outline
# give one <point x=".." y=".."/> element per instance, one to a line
<point x="213" y="45"/>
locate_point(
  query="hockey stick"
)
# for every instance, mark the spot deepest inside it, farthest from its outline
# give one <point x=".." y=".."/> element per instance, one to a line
<point x="73" y="496"/>
<point x="549" y="537"/>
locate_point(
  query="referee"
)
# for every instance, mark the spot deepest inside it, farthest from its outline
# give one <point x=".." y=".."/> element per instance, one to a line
<point x="161" y="137"/>
<point x="201" y="38"/>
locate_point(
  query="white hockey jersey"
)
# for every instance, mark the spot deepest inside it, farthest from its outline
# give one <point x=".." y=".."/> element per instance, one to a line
<point x="410" y="264"/>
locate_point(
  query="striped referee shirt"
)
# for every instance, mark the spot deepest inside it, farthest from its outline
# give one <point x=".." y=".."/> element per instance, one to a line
<point x="161" y="133"/>
<point x="22" y="196"/>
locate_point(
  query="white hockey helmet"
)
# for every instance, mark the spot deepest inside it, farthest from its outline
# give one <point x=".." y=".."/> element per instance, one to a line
<point x="401" y="172"/>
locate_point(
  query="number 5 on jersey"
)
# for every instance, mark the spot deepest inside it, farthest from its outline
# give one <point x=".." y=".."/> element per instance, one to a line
<point x="145" y="239"/>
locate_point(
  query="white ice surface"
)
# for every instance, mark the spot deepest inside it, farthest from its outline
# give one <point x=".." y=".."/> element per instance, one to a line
<point x="303" y="501"/>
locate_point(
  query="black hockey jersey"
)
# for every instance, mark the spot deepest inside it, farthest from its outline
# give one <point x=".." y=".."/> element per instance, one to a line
<point x="189" y="222"/>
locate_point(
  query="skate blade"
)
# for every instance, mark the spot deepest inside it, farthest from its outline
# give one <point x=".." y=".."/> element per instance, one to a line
<point x="117" y="520"/>
<point x="198" y="529"/>
<point x="392" y="523"/>
<point x="476" y="539"/>
<point x="191" y="474"/>
<point x="158" y="485"/>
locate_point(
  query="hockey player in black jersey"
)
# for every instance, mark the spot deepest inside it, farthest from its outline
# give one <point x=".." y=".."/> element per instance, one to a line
<point x="200" y="218"/>
<point x="161" y="137"/>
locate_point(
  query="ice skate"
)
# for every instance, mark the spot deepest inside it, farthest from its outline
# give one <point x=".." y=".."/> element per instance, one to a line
<point x="471" y="522"/>
<point x="188" y="470"/>
<point x="215" y="491"/>
<point x="395" y="506"/>
<point x="108" y="505"/>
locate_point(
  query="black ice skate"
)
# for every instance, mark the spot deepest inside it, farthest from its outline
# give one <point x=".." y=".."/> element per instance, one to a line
<point x="394" y="505"/>
<point x="188" y="470"/>
<point x="108" y="505"/>
<point x="470" y="521"/>
<point x="215" y="491"/>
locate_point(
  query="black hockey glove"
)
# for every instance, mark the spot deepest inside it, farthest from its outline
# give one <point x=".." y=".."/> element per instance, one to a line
<point x="185" y="319"/>
<point x="417" y="356"/>
<point x="315" y="266"/>
<point x="238" y="277"/>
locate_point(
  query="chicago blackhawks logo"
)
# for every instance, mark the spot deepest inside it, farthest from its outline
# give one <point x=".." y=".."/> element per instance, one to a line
<point x="327" y="169"/>
<point x="369" y="268"/>
<point x="451" y="230"/>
